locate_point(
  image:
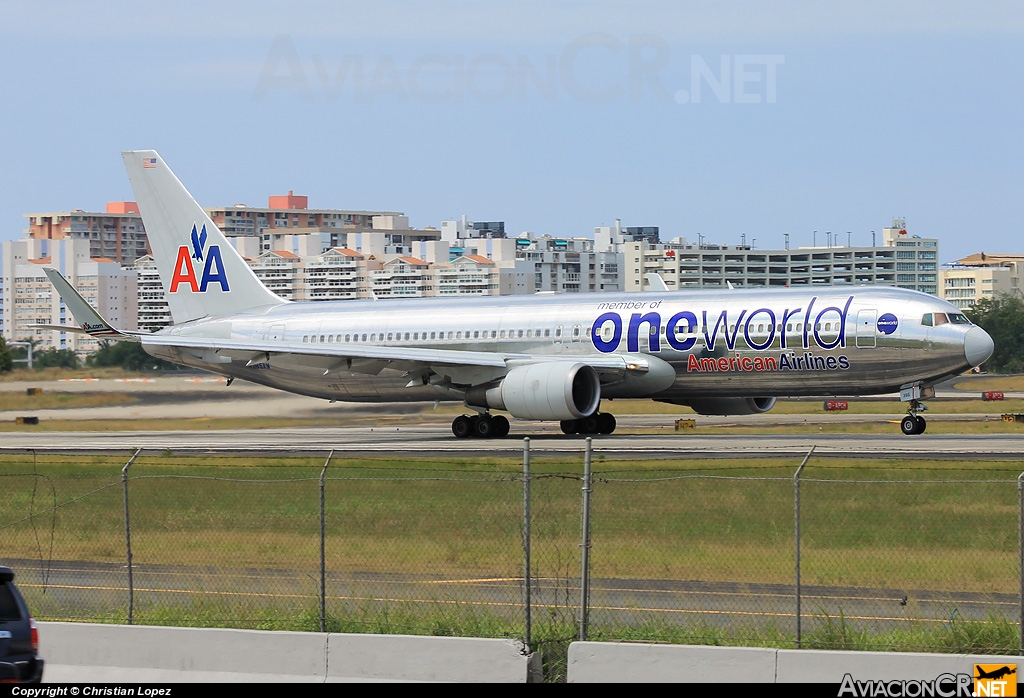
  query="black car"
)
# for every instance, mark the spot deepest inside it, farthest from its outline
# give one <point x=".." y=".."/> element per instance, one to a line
<point x="19" y="638"/>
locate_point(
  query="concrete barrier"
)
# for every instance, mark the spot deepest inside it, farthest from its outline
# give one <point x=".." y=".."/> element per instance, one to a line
<point x="84" y="652"/>
<point x="601" y="662"/>
<point x="818" y="666"/>
<point x="629" y="662"/>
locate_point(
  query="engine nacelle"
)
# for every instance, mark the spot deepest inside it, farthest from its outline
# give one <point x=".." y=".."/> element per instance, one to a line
<point x="728" y="406"/>
<point x="550" y="390"/>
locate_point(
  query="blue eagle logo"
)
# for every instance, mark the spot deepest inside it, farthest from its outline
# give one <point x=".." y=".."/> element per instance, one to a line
<point x="198" y="243"/>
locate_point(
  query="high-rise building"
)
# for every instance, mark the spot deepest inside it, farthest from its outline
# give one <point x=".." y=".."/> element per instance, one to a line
<point x="903" y="260"/>
<point x="29" y="298"/>
<point x="116" y="233"/>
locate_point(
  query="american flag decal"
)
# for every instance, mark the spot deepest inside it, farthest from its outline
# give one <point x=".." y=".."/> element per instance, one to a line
<point x="148" y="163"/>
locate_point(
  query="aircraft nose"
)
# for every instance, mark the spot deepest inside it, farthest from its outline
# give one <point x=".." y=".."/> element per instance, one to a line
<point x="978" y="346"/>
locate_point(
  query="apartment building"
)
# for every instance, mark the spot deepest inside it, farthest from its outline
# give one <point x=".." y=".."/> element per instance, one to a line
<point x="975" y="277"/>
<point x="116" y="233"/>
<point x="29" y="298"/>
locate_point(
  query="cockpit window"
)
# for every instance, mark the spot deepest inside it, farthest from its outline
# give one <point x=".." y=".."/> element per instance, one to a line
<point x="926" y="320"/>
<point x="940" y="319"/>
<point x="959" y="319"/>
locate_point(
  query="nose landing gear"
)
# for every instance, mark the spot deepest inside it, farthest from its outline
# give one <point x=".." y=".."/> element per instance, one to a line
<point x="913" y="423"/>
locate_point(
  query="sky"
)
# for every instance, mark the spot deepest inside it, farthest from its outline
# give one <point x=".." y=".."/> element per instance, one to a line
<point x="724" y="118"/>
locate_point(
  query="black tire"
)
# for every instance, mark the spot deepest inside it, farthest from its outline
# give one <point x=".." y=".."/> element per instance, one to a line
<point x="908" y="425"/>
<point x="605" y="423"/>
<point x="589" y="425"/>
<point x="501" y="427"/>
<point x="921" y="425"/>
<point x="570" y="426"/>
<point x="484" y="427"/>
<point x="462" y="427"/>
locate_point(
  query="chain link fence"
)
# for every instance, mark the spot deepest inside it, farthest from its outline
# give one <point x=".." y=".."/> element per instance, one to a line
<point x="905" y="555"/>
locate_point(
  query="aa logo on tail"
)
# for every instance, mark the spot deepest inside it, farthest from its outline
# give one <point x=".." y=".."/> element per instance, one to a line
<point x="213" y="265"/>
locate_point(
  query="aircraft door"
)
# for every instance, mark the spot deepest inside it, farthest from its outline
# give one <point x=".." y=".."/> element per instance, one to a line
<point x="273" y="333"/>
<point x="866" y="320"/>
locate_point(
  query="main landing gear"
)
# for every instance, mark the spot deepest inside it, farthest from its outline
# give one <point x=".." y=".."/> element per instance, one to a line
<point x="914" y="424"/>
<point x="597" y="423"/>
<point x="483" y="426"/>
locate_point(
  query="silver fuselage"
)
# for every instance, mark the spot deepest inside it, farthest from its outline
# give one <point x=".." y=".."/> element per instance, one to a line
<point x="721" y="343"/>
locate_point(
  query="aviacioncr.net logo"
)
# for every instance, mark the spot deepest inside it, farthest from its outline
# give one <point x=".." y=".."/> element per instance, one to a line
<point x="190" y="257"/>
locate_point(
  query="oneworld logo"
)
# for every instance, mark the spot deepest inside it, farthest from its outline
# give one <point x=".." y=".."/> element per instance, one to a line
<point x="888" y="323"/>
<point x="189" y="260"/>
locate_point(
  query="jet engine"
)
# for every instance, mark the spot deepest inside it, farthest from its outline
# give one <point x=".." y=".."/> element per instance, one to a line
<point x="729" y="405"/>
<point x="549" y="390"/>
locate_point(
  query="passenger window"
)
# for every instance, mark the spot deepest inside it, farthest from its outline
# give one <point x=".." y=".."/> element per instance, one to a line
<point x="432" y="335"/>
<point x="449" y="334"/>
<point x="503" y="334"/>
<point x="520" y="334"/>
<point x="547" y="333"/>
<point x="407" y="336"/>
<point x="926" y="319"/>
<point x="529" y="333"/>
<point x="458" y="335"/>
<point x="494" y="334"/>
<point x="389" y="336"/>
<point x="347" y="338"/>
<point x="476" y="334"/>
<point x="305" y="339"/>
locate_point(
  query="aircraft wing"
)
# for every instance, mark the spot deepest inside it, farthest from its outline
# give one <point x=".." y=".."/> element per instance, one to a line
<point x="255" y="351"/>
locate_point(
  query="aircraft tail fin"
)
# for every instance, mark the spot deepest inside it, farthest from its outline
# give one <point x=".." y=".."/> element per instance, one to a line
<point x="202" y="273"/>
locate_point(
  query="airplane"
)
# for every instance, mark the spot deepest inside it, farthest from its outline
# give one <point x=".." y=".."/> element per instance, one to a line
<point x="539" y="357"/>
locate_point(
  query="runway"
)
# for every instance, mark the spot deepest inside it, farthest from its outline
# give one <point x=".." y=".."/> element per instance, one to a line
<point x="544" y="438"/>
<point x="92" y="588"/>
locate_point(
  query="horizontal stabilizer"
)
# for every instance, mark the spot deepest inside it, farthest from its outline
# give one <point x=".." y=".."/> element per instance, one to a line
<point x="89" y="321"/>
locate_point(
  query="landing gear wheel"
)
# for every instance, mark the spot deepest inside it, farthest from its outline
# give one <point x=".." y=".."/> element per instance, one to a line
<point x="462" y="427"/>
<point x="500" y="427"/>
<point x="589" y="425"/>
<point x="605" y="423"/>
<point x="911" y="425"/>
<point x="484" y="426"/>
<point x="570" y="426"/>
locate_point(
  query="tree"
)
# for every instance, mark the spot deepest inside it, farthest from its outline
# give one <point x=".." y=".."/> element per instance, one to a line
<point x="128" y="355"/>
<point x="60" y="358"/>
<point x="1002" y="317"/>
<point x="5" y="356"/>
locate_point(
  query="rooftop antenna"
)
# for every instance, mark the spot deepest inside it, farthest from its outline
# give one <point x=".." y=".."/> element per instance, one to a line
<point x="786" y="235"/>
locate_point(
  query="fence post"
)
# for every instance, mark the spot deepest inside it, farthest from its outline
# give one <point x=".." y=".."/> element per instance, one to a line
<point x="585" y="545"/>
<point x="128" y="535"/>
<point x="526" y="545"/>
<point x="323" y="545"/>
<point x="796" y="539"/>
<point x="1020" y="556"/>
